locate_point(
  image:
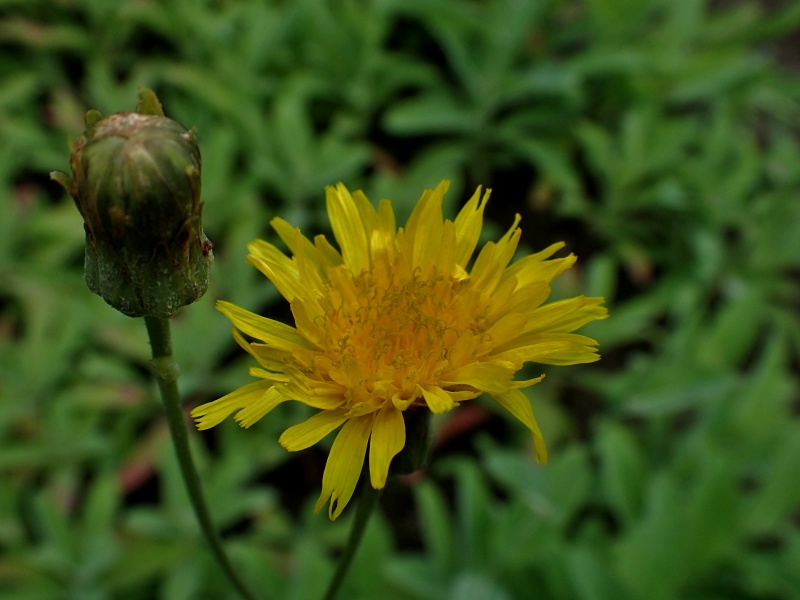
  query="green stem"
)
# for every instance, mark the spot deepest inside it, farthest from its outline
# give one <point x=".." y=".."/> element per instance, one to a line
<point x="166" y="370"/>
<point x="367" y="503"/>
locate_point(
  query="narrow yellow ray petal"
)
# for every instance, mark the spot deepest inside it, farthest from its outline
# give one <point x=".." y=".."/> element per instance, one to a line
<point x="437" y="399"/>
<point x="549" y="348"/>
<point x="536" y="346"/>
<point x="286" y="280"/>
<point x="294" y="240"/>
<point x="213" y="413"/>
<point x="344" y="465"/>
<point x="530" y="268"/>
<point x="348" y="228"/>
<point x="369" y="217"/>
<point x="507" y="328"/>
<point x="272" y="332"/>
<point x="328" y="255"/>
<point x="268" y="375"/>
<point x="259" y="408"/>
<point x="578" y="356"/>
<point x="493" y="260"/>
<point x="310" y="431"/>
<point x="492" y="377"/>
<point x="445" y="259"/>
<point x="517" y="403"/>
<point x="271" y="255"/>
<point x="524" y="299"/>
<point x="269" y="358"/>
<point x="424" y="226"/>
<point x="388" y="438"/>
<point x="463" y="350"/>
<point x="272" y="359"/>
<point x="384" y="236"/>
<point x="567" y="315"/>
<point x="307" y="323"/>
<point x="469" y="223"/>
<point x="323" y="395"/>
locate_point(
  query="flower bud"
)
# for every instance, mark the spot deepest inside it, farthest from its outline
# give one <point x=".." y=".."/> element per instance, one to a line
<point x="136" y="182"/>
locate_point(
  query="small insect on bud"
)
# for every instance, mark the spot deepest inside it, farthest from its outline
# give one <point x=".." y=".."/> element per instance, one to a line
<point x="136" y="182"/>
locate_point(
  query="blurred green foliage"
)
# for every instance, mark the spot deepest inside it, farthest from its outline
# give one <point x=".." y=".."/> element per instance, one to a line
<point x="659" y="138"/>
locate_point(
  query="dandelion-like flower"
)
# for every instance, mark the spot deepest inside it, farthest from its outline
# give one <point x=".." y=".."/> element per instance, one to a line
<point x="394" y="321"/>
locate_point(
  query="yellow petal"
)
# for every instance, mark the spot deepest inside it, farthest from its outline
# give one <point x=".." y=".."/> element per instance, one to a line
<point x="213" y="413"/>
<point x="286" y="280"/>
<point x="328" y="255"/>
<point x="445" y="259"/>
<point x="268" y="375"/>
<point x="303" y="390"/>
<point x="348" y="228"/>
<point x="545" y="347"/>
<point x="384" y="237"/>
<point x="294" y="240"/>
<point x="344" y="465"/>
<point x="424" y="226"/>
<point x="259" y="408"/>
<point x="269" y="358"/>
<point x="492" y="377"/>
<point x="493" y="259"/>
<point x="469" y="223"/>
<point x="307" y="321"/>
<point x="275" y="333"/>
<point x="402" y="403"/>
<point x="532" y="268"/>
<point x="517" y="403"/>
<point x="524" y="299"/>
<point x="388" y="438"/>
<point x="309" y="432"/>
<point x="536" y="351"/>
<point x="366" y="212"/>
<point x="463" y="350"/>
<point x="507" y="328"/>
<point x="567" y="315"/>
<point x="437" y="399"/>
<point x="570" y="357"/>
<point x="279" y="268"/>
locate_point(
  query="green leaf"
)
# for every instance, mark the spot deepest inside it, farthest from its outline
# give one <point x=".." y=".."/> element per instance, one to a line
<point x="472" y="586"/>
<point x="592" y="577"/>
<point x="622" y="469"/>
<point x="436" y="525"/>
<point x="432" y="114"/>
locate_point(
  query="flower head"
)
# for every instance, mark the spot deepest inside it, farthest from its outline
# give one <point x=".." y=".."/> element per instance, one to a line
<point x="398" y="320"/>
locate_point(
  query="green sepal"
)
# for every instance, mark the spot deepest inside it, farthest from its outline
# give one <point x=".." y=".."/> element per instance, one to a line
<point x="148" y="103"/>
<point x="92" y="117"/>
<point x="62" y="179"/>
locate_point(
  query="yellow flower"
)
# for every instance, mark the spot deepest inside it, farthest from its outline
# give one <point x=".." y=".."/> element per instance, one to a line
<point x="398" y="319"/>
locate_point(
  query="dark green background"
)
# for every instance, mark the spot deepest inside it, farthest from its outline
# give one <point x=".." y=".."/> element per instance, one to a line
<point x="658" y="138"/>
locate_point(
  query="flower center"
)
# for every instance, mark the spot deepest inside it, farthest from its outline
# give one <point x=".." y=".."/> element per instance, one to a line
<point x="394" y="330"/>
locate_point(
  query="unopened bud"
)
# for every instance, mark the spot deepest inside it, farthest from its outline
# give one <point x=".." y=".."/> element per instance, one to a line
<point x="136" y="182"/>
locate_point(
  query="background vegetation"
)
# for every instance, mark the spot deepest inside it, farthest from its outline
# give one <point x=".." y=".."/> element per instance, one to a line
<point x="658" y="138"/>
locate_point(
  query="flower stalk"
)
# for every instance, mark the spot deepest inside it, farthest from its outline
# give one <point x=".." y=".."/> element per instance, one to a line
<point x="411" y="458"/>
<point x="166" y="371"/>
<point x="366" y="506"/>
